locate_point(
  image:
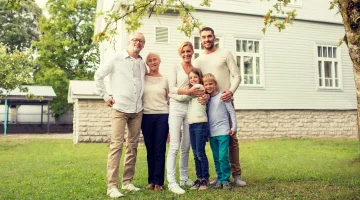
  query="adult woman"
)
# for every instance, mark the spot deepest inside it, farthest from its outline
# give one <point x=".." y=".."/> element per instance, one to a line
<point x="154" y="124"/>
<point x="179" y="84"/>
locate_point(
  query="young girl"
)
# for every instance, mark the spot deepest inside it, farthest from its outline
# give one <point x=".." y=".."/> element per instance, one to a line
<point x="199" y="130"/>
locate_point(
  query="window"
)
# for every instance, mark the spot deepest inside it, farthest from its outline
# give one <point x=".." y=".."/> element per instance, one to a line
<point x="161" y="34"/>
<point x="328" y="66"/>
<point x="249" y="59"/>
<point x="198" y="47"/>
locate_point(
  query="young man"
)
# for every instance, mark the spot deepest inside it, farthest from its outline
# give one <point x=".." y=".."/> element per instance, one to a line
<point x="127" y="76"/>
<point x="221" y="64"/>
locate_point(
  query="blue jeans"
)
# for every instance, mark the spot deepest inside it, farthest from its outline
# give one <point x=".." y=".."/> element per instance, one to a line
<point x="198" y="136"/>
<point x="155" y="130"/>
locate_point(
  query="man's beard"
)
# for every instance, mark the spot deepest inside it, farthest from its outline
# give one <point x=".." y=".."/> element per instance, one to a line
<point x="136" y="50"/>
<point x="210" y="47"/>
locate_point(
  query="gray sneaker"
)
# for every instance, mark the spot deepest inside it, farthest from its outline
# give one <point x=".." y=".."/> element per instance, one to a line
<point x="226" y="185"/>
<point x="214" y="182"/>
<point x="239" y="181"/>
<point x="217" y="185"/>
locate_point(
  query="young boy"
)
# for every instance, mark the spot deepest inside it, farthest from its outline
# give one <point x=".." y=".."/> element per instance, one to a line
<point x="218" y="116"/>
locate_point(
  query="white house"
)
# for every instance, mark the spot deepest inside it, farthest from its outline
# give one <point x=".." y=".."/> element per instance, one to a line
<point x="295" y="83"/>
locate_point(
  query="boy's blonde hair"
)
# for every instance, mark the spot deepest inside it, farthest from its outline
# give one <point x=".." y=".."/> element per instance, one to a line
<point x="209" y="78"/>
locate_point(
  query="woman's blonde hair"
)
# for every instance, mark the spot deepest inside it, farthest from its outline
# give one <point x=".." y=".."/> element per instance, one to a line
<point x="209" y="78"/>
<point x="184" y="44"/>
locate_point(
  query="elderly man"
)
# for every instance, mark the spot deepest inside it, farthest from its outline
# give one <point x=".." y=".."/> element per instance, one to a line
<point x="126" y="71"/>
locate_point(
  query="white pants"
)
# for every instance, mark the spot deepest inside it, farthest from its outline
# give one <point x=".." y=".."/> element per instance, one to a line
<point x="178" y="118"/>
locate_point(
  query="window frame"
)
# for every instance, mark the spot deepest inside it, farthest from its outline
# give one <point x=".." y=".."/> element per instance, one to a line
<point x="260" y="55"/>
<point x="168" y="35"/>
<point x="332" y="60"/>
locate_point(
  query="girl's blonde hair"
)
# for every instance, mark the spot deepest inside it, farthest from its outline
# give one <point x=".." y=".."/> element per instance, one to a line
<point x="184" y="44"/>
<point x="198" y="73"/>
<point x="209" y="78"/>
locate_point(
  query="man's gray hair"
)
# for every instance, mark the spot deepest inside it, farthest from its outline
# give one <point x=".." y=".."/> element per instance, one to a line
<point x="136" y="33"/>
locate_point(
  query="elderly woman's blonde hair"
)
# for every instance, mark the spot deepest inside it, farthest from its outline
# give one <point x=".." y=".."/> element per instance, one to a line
<point x="152" y="53"/>
<point x="184" y="44"/>
<point x="209" y="78"/>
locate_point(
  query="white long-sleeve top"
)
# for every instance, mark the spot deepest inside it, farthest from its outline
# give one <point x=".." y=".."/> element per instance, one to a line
<point x="127" y="79"/>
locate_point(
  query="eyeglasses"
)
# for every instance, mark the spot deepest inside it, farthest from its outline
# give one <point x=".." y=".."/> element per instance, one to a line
<point x="138" y="40"/>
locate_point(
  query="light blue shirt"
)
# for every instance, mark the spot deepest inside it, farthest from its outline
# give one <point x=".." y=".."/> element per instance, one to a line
<point x="218" y="115"/>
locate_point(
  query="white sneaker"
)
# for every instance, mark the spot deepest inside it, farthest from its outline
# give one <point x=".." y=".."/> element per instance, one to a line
<point x="114" y="193"/>
<point x="187" y="183"/>
<point x="130" y="187"/>
<point x="177" y="189"/>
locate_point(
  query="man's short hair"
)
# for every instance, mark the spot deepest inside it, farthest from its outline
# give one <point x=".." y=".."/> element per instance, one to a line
<point x="132" y="36"/>
<point x="209" y="78"/>
<point x="207" y="29"/>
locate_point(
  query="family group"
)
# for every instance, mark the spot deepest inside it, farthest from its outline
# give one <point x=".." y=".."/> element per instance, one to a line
<point x="192" y="105"/>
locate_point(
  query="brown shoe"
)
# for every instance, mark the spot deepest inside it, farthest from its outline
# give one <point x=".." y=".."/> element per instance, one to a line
<point x="150" y="186"/>
<point x="158" y="188"/>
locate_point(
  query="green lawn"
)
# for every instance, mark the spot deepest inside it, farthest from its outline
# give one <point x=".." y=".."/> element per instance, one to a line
<point x="273" y="169"/>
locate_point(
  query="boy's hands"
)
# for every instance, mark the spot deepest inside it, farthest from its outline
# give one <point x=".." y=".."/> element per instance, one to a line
<point x="231" y="132"/>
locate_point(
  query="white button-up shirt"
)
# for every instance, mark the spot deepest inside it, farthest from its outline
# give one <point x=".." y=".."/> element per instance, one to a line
<point x="127" y="78"/>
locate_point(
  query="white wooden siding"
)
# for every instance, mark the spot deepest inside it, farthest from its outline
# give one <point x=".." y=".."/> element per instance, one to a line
<point x="313" y="10"/>
<point x="289" y="62"/>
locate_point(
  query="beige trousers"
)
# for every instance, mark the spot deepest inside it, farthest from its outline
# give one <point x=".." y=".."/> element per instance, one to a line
<point x="119" y="121"/>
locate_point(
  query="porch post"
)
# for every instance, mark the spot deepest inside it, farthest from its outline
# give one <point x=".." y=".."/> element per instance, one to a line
<point x="48" y="116"/>
<point x="6" y="116"/>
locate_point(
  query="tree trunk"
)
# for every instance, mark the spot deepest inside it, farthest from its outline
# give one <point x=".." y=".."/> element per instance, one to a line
<point x="350" y="12"/>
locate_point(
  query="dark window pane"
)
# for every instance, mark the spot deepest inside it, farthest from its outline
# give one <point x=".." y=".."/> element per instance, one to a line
<point x="248" y="65"/>
<point x="197" y="42"/>
<point x="238" y="45"/>
<point x="244" y="46"/>
<point x="319" y="52"/>
<point x="257" y="46"/>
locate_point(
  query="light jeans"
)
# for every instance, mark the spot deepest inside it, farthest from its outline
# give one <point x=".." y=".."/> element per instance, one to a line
<point x="178" y="118"/>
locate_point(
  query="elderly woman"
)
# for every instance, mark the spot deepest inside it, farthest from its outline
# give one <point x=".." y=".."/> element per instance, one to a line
<point x="179" y="85"/>
<point x="154" y="124"/>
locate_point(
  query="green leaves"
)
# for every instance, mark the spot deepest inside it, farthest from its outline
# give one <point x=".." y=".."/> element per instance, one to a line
<point x="66" y="51"/>
<point x="16" y="69"/>
<point x="133" y="13"/>
<point x="279" y="16"/>
<point x="18" y="27"/>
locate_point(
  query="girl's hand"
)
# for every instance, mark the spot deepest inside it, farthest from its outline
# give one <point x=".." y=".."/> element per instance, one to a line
<point x="196" y="92"/>
<point x="231" y="132"/>
<point x="204" y="99"/>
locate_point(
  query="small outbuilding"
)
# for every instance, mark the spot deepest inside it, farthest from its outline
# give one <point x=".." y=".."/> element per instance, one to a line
<point x="42" y="95"/>
<point x="92" y="118"/>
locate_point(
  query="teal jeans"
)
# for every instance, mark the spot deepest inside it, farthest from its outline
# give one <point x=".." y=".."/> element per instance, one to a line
<point x="220" y="149"/>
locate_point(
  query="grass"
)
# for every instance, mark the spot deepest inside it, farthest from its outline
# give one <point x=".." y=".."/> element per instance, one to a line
<point x="274" y="169"/>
